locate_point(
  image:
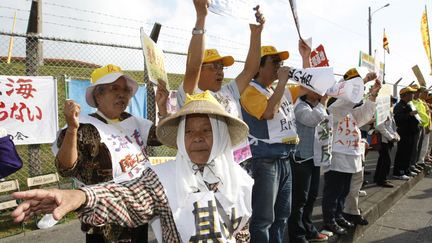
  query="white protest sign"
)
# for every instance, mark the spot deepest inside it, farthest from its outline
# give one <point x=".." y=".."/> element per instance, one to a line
<point x="318" y="79"/>
<point x="28" y="108"/>
<point x="413" y="108"/>
<point x="377" y="68"/>
<point x="323" y="142"/>
<point x="239" y="9"/>
<point x="351" y="90"/>
<point x="382" y="109"/>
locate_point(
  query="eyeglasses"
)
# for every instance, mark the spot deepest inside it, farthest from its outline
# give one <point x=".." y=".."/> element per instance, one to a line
<point x="215" y="66"/>
<point x="277" y="62"/>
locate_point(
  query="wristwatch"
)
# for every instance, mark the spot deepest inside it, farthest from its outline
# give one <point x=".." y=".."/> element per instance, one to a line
<point x="198" y="31"/>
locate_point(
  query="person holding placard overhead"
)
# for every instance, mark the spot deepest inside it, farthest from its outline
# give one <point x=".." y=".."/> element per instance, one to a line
<point x="109" y="144"/>
<point x="205" y="67"/>
<point x="309" y="111"/>
<point x="347" y="151"/>
<point x="270" y="116"/>
<point x="205" y="71"/>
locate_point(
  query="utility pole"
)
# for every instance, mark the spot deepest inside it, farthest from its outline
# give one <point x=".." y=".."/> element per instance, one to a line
<point x="34" y="59"/>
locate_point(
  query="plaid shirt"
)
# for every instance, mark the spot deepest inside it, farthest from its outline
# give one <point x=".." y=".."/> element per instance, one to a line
<point x="133" y="203"/>
<point x="94" y="166"/>
<point x="130" y="204"/>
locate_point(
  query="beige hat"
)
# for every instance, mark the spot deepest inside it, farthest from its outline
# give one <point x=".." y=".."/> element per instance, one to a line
<point x="203" y="103"/>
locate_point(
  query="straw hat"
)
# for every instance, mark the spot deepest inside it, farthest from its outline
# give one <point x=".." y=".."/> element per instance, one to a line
<point x="203" y="103"/>
<point x="106" y="75"/>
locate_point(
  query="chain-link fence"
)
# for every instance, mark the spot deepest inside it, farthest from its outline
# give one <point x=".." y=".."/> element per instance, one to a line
<point x="68" y="59"/>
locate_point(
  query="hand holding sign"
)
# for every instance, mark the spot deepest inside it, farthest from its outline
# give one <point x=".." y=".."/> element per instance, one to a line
<point x="161" y="97"/>
<point x="283" y="74"/>
<point x="370" y="76"/>
<point x="304" y="49"/>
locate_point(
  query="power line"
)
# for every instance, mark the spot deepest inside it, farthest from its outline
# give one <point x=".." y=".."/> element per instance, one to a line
<point x="91" y="30"/>
<point x="93" y="12"/>
<point x="92" y="21"/>
<point x="16" y="9"/>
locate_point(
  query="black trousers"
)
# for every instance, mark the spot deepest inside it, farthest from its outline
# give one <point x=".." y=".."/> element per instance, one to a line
<point x="403" y="154"/>
<point x="417" y="144"/>
<point x="138" y="235"/>
<point x="305" y="186"/>
<point x="336" y="188"/>
<point x="384" y="162"/>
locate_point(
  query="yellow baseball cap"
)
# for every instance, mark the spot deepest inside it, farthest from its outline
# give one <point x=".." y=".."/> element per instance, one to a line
<point x="106" y="75"/>
<point x="270" y="50"/>
<point x="415" y="86"/>
<point x="407" y="89"/>
<point x="212" y="55"/>
<point x="350" y="74"/>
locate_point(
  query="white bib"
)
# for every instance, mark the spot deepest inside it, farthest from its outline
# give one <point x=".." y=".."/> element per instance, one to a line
<point x="323" y="142"/>
<point x="347" y="137"/>
<point x="199" y="218"/>
<point x="282" y="128"/>
<point x="126" y="142"/>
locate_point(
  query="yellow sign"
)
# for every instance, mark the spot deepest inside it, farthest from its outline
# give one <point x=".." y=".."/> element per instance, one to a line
<point x="425" y="36"/>
<point x="369" y="62"/>
<point x="154" y="59"/>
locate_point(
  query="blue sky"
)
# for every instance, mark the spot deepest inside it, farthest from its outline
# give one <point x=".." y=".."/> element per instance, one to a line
<point x="340" y="25"/>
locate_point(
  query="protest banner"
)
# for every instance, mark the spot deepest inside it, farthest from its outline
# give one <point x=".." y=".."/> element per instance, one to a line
<point x="351" y="90"/>
<point x="369" y="62"/>
<point x="318" y="57"/>
<point x="382" y="109"/>
<point x="239" y="9"/>
<point x="323" y="142"/>
<point x="28" y="108"/>
<point x="319" y="79"/>
<point x="154" y="59"/>
<point x="419" y="75"/>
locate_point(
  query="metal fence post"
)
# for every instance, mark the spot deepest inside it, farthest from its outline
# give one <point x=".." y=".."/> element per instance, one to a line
<point x="151" y="109"/>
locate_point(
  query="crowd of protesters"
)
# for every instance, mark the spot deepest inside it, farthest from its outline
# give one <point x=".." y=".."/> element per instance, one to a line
<point x="204" y="194"/>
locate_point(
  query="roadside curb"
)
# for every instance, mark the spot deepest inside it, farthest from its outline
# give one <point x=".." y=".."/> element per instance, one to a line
<point x="377" y="204"/>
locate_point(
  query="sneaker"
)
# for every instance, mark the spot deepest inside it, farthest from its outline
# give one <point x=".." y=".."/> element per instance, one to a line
<point x="335" y="228"/>
<point x="344" y="223"/>
<point x="412" y="173"/>
<point x="326" y="232"/>
<point x="362" y="193"/>
<point x="401" y="177"/>
<point x="422" y="165"/>
<point x="356" y="219"/>
<point x="319" y="238"/>
<point x="415" y="170"/>
<point x="386" y="184"/>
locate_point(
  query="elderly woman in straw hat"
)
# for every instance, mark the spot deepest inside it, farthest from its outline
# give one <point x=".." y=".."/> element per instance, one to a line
<point x="109" y="144"/>
<point x="201" y="195"/>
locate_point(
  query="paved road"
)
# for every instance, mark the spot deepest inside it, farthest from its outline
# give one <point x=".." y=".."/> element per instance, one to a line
<point x="409" y="220"/>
